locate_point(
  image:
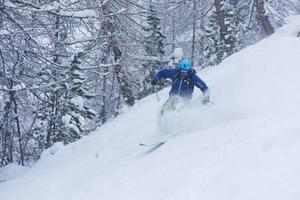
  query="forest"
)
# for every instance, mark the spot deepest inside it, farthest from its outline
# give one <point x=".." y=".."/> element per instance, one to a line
<point x="69" y="66"/>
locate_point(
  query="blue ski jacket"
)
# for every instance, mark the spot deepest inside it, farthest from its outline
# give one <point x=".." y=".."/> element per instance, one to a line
<point x="183" y="85"/>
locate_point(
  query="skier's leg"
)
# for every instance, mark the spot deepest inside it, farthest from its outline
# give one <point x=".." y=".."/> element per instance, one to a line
<point x="170" y="104"/>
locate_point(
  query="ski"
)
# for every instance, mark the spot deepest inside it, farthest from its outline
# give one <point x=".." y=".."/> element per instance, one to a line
<point x="152" y="144"/>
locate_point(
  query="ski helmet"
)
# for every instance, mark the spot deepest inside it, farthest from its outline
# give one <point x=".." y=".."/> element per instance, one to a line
<point x="185" y="65"/>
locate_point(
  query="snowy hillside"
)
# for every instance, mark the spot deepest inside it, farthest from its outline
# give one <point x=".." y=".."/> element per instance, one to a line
<point x="244" y="146"/>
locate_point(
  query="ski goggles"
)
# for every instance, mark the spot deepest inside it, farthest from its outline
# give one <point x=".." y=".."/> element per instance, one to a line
<point x="184" y="72"/>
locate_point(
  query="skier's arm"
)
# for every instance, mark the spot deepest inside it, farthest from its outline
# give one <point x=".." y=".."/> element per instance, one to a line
<point x="203" y="87"/>
<point x="165" y="73"/>
<point x="199" y="83"/>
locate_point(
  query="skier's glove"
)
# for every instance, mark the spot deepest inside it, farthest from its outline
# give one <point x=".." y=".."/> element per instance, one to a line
<point x="153" y="82"/>
<point x="205" y="97"/>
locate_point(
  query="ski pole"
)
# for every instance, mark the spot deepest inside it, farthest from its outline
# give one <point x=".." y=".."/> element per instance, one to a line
<point x="156" y="92"/>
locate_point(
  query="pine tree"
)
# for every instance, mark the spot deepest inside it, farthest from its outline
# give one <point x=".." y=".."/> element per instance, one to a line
<point x="43" y="91"/>
<point x="212" y="42"/>
<point x="154" y="49"/>
<point x="74" y="111"/>
<point x="235" y="20"/>
<point x="222" y="31"/>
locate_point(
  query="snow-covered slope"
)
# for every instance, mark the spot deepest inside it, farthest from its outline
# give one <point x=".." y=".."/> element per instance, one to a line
<point x="244" y="146"/>
<point x="11" y="171"/>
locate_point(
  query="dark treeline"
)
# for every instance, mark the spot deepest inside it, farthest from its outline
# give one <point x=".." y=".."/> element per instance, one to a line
<point x="68" y="66"/>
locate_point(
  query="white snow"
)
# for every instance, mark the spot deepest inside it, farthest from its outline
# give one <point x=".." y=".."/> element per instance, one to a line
<point x="4" y="32"/>
<point x="178" y="53"/>
<point x="11" y="171"/>
<point x="66" y="119"/>
<point x="62" y="7"/>
<point x="243" y="146"/>
<point x="19" y="87"/>
<point x="175" y="57"/>
<point x="78" y="102"/>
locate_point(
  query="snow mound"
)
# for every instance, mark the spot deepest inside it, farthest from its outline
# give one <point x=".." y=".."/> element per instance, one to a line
<point x="178" y="53"/>
<point x="11" y="171"/>
<point x="245" y="145"/>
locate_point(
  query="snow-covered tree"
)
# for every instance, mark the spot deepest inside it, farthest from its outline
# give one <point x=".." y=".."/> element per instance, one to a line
<point x="220" y="33"/>
<point x="263" y="17"/>
<point x="75" y="113"/>
<point x="154" y="49"/>
<point x="45" y="90"/>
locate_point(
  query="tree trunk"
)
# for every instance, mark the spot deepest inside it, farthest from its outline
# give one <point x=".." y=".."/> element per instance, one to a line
<point x="194" y="31"/>
<point x="221" y="18"/>
<point x="264" y="19"/>
<point x="5" y="134"/>
<point x="1" y="13"/>
<point x="173" y="35"/>
<point x="104" y="114"/>
<point x="52" y="123"/>
<point x="125" y="87"/>
<point x="19" y="131"/>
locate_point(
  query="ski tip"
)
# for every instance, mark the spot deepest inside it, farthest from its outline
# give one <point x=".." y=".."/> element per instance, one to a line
<point x="152" y="144"/>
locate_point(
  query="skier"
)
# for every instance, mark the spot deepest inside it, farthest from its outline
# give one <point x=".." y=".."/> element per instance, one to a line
<point x="184" y="79"/>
